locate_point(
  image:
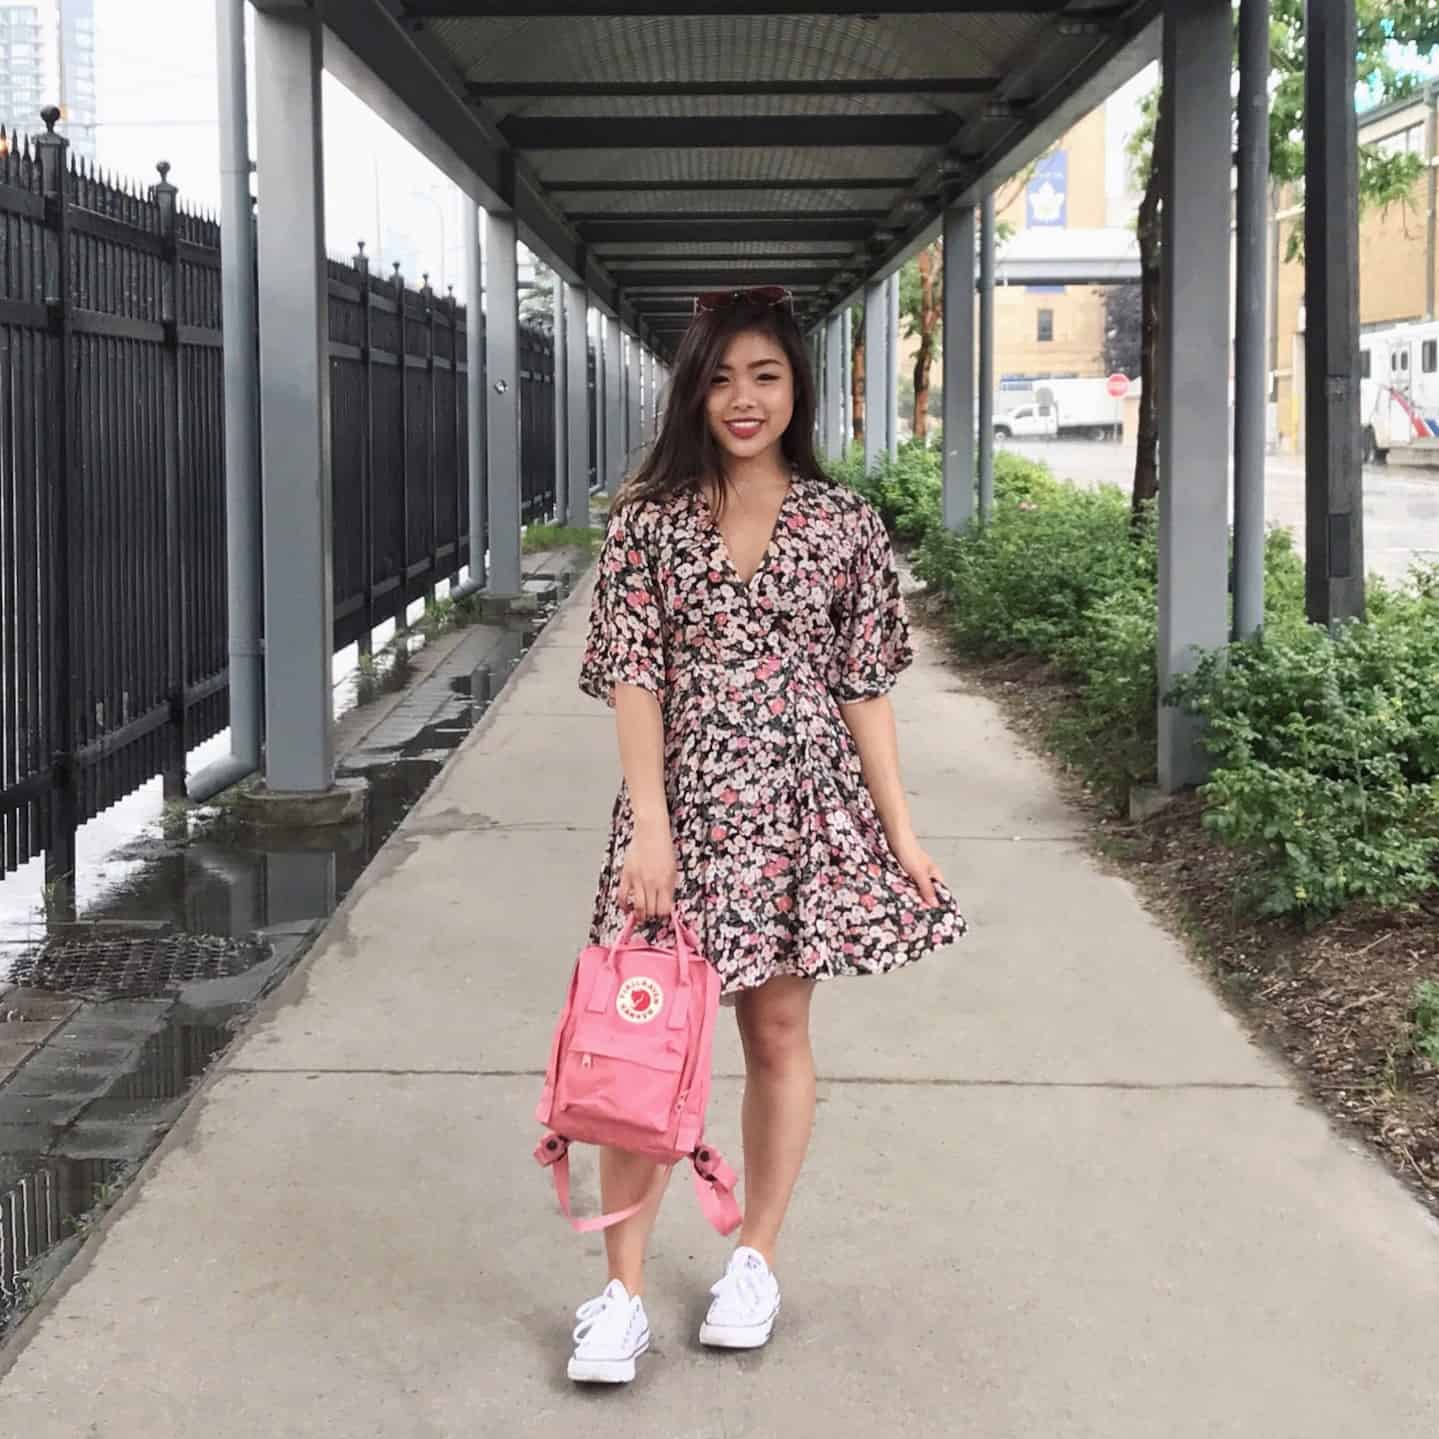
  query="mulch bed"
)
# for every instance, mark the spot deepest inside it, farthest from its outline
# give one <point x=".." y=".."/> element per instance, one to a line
<point x="1334" y="999"/>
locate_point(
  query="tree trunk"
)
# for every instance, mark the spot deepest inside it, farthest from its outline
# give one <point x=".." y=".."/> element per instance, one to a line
<point x="857" y="383"/>
<point x="928" y="324"/>
<point x="1146" y="460"/>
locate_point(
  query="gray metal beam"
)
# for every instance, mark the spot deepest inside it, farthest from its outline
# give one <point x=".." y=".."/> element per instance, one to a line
<point x="958" y="476"/>
<point x="847" y="380"/>
<point x="1333" y="473"/>
<point x="666" y="187"/>
<point x="687" y="281"/>
<point x="876" y="372"/>
<point x="698" y="229"/>
<point x="521" y="10"/>
<point x="986" y="358"/>
<point x="683" y="217"/>
<point x="295" y="402"/>
<point x="666" y="89"/>
<point x="1194" y="366"/>
<point x="623" y="262"/>
<point x="688" y="132"/>
<point x="502" y="398"/>
<point x="1250" y="317"/>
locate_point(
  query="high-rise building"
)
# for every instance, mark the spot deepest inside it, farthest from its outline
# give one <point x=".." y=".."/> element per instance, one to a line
<point x="47" y="57"/>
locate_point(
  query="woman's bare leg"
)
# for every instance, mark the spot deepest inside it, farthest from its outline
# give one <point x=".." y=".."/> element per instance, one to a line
<point x="778" y="1111"/>
<point x="623" y="1179"/>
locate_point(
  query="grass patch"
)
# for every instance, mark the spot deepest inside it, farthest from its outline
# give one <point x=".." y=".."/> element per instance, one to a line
<point x="562" y="537"/>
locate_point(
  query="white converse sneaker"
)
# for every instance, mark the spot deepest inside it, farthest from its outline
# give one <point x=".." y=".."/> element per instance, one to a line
<point x="612" y="1333"/>
<point x="746" y="1302"/>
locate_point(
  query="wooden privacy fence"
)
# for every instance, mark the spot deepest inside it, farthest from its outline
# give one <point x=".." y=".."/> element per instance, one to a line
<point x="113" y="625"/>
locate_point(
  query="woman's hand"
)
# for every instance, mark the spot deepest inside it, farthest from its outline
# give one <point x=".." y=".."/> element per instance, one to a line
<point x="919" y="867"/>
<point x="647" y="880"/>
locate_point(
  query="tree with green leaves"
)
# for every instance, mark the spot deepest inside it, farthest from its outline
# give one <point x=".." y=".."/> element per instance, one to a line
<point x="1385" y="31"/>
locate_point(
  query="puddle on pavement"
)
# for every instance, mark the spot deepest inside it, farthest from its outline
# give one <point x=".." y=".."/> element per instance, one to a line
<point x="189" y="894"/>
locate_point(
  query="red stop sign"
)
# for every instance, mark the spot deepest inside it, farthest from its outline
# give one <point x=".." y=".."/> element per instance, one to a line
<point x="1118" y="386"/>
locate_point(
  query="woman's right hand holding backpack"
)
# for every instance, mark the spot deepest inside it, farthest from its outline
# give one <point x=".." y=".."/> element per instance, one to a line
<point x="647" y="879"/>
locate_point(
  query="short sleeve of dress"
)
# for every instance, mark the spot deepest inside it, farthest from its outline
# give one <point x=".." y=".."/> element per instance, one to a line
<point x="626" y="634"/>
<point x="872" y="644"/>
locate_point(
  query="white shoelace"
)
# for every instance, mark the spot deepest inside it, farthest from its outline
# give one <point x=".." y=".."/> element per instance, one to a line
<point x="593" y="1311"/>
<point x="743" y="1287"/>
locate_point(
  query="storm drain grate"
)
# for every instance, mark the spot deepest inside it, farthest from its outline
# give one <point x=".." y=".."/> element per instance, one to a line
<point x="136" y="965"/>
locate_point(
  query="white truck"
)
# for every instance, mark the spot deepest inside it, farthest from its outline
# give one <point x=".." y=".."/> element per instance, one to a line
<point x="1399" y="390"/>
<point x="1061" y="409"/>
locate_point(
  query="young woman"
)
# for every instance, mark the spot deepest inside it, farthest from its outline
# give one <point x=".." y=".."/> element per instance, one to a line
<point x="747" y="628"/>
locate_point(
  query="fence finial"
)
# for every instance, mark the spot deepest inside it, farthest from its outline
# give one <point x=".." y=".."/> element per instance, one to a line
<point x="51" y="116"/>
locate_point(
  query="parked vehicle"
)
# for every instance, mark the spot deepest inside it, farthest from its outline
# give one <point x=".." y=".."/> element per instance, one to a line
<point x="1072" y="409"/>
<point x="1027" y="422"/>
<point x="1399" y="388"/>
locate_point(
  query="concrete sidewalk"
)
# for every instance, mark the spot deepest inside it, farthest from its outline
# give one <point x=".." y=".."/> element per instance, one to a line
<point x="1054" y="1190"/>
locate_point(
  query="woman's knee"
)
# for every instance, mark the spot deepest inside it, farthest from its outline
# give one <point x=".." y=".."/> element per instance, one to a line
<point x="774" y="1023"/>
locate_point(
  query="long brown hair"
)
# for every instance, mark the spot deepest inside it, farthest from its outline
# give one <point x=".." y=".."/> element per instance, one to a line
<point x="685" y="453"/>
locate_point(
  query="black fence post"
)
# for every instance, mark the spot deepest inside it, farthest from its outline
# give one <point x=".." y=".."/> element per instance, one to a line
<point x="431" y="435"/>
<point x="461" y="468"/>
<point x="177" y="551"/>
<point x="59" y="518"/>
<point x="367" y="451"/>
<point x="402" y="616"/>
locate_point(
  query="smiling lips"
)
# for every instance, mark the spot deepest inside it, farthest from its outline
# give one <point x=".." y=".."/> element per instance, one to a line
<point x="744" y="429"/>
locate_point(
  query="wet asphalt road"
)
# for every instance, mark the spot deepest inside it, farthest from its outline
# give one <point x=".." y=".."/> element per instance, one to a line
<point x="1401" y="506"/>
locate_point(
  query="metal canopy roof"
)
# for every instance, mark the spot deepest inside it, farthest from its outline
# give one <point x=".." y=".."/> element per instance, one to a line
<point x="654" y="149"/>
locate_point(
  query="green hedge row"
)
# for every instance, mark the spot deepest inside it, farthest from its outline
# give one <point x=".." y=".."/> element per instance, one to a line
<point x="1325" y="747"/>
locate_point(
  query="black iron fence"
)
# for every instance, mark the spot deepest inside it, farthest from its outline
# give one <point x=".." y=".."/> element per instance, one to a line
<point x="113" y="627"/>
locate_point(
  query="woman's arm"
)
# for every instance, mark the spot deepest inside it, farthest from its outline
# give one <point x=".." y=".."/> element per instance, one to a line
<point x="647" y="881"/>
<point x="871" y="722"/>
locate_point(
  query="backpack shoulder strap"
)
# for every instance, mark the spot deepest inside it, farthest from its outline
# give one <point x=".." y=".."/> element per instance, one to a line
<point x="553" y="1153"/>
<point x="715" y="1185"/>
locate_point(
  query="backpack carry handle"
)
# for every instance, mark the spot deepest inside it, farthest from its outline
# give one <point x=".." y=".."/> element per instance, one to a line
<point x="685" y="944"/>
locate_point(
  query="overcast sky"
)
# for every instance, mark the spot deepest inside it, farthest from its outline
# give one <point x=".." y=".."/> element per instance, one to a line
<point x="156" y="94"/>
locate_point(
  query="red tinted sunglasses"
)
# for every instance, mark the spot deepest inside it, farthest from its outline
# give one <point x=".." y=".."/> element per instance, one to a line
<point x="759" y="295"/>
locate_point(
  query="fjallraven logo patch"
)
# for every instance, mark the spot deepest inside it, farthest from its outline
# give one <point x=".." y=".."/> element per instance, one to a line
<point x="640" y="1000"/>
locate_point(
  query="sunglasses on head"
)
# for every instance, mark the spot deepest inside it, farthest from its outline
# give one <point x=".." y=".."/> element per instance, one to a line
<point x="759" y="295"/>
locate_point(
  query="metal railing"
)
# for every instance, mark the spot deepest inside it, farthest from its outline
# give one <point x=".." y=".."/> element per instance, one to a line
<point x="113" y="625"/>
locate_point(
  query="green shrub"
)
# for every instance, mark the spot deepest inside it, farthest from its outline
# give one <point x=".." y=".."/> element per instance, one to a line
<point x="1023" y="583"/>
<point x="1327" y="757"/>
<point x="1424" y="1020"/>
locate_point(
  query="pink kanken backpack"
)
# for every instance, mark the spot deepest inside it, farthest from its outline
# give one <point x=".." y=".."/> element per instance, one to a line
<point x="630" y="1068"/>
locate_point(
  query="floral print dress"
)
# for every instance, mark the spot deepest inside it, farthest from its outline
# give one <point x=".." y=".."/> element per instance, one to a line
<point x="784" y="867"/>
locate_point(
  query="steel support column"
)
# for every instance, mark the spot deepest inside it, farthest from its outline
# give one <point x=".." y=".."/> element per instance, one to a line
<point x="1194" y="424"/>
<point x="1333" y="473"/>
<point x="475" y="395"/>
<point x="958" y="499"/>
<point x="833" y="388"/>
<point x="986" y="358"/>
<point x="577" y="404"/>
<point x="502" y="401"/>
<point x="1250" y="367"/>
<point x="876" y="373"/>
<point x="614" y="409"/>
<point x="242" y="415"/>
<point x="295" y="402"/>
<point x="562" y="401"/>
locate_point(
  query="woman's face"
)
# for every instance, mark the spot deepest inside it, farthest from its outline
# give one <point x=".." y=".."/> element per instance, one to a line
<point x="751" y="397"/>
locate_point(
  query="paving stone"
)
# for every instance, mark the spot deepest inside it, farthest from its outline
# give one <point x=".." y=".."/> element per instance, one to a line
<point x="38" y="1004"/>
<point x="38" y="1111"/>
<point x="28" y="1031"/>
<point x="13" y="1053"/>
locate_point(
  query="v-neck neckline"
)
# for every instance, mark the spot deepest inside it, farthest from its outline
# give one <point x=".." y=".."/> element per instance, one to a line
<point x="723" y="544"/>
